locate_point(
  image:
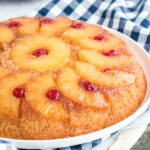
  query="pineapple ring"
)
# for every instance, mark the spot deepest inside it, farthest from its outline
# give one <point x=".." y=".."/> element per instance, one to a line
<point x="6" y="34"/>
<point x="39" y="101"/>
<point x="111" y="42"/>
<point x="27" y="25"/>
<point x="22" y="52"/>
<point x="57" y="26"/>
<point x="115" y="78"/>
<point x="87" y="31"/>
<point x="68" y="83"/>
<point x="9" y="103"/>
<point x="98" y="59"/>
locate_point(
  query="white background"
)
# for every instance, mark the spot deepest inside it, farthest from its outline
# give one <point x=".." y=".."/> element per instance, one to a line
<point x="16" y="8"/>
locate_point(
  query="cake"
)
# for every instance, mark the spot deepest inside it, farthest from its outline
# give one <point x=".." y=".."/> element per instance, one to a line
<point x="62" y="78"/>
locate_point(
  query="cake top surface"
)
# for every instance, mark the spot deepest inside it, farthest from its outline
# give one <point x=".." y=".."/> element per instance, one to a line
<point x="56" y="64"/>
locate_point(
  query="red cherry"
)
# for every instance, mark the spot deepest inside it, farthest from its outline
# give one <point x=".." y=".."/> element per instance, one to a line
<point x="53" y="94"/>
<point x="88" y="86"/>
<point x="78" y="26"/>
<point x="105" y="70"/>
<point x="14" y="24"/>
<point x="111" y="53"/>
<point x="40" y="52"/>
<point x="19" y="92"/>
<point x="46" y="21"/>
<point x="99" y="38"/>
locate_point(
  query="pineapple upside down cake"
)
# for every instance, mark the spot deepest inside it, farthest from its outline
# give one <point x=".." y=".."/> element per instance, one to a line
<point x="62" y="78"/>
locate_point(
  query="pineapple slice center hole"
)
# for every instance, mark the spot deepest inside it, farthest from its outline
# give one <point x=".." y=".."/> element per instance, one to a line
<point x="78" y="26"/>
<point x="53" y="94"/>
<point x="14" y="24"/>
<point x="111" y="53"/>
<point x="106" y="70"/>
<point x="19" y="92"/>
<point x="40" y="52"/>
<point x="99" y="38"/>
<point x="46" y="21"/>
<point x="88" y="86"/>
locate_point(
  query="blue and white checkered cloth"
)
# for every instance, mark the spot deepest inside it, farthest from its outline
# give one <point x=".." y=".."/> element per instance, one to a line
<point x="131" y="17"/>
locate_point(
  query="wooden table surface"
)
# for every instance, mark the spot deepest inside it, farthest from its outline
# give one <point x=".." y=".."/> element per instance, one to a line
<point x="144" y="142"/>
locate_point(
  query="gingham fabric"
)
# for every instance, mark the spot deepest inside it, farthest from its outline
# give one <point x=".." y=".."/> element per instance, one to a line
<point x="131" y="17"/>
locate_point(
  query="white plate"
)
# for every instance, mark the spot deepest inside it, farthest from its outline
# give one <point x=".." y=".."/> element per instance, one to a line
<point x="144" y="60"/>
